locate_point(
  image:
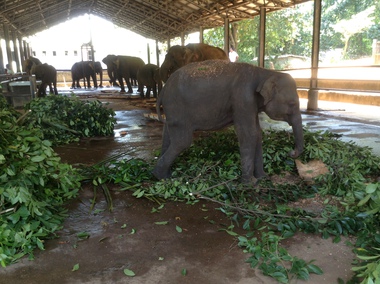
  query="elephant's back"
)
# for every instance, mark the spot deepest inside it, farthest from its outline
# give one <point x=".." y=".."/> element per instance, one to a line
<point x="204" y="70"/>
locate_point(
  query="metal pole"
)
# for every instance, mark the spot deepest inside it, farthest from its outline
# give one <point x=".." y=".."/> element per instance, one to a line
<point x="201" y="34"/>
<point x="15" y="52"/>
<point x="7" y="44"/>
<point x="1" y="60"/>
<point x="312" y="103"/>
<point x="226" y="35"/>
<point x="148" y="51"/>
<point x="157" y="53"/>
<point x="261" y="57"/>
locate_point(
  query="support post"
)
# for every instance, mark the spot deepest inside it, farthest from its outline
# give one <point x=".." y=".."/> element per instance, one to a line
<point x="15" y="52"/>
<point x="25" y="49"/>
<point x="182" y="39"/>
<point x="33" y="86"/>
<point x="148" y="51"/>
<point x="157" y="53"/>
<point x="226" y="35"/>
<point x="1" y="60"/>
<point x="7" y="44"/>
<point x="201" y="34"/>
<point x="28" y="51"/>
<point x="312" y="103"/>
<point x="261" y="56"/>
<point x="21" y="51"/>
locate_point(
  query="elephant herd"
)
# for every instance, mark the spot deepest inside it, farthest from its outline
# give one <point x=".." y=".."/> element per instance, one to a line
<point x="151" y="76"/>
<point x="126" y="69"/>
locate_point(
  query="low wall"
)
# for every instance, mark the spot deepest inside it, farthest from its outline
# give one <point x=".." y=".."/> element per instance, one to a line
<point x="362" y="98"/>
<point x="64" y="78"/>
<point x="365" y="92"/>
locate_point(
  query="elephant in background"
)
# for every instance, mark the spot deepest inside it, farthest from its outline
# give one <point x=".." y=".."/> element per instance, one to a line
<point x="123" y="67"/>
<point x="213" y="94"/>
<point x="149" y="76"/>
<point x="86" y="70"/>
<point x="179" y="56"/>
<point x="48" y="75"/>
<point x="27" y="67"/>
<point x="28" y="64"/>
<point x="108" y="61"/>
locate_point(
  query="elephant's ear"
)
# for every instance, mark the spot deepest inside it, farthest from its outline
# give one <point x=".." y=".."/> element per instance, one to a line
<point x="189" y="56"/>
<point x="267" y="88"/>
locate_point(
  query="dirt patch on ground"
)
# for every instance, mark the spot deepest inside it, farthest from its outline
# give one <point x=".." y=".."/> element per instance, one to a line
<point x="130" y="238"/>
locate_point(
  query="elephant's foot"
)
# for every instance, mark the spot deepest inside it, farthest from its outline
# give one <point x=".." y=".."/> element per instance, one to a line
<point x="249" y="180"/>
<point x="260" y="174"/>
<point x="160" y="174"/>
<point x="130" y="91"/>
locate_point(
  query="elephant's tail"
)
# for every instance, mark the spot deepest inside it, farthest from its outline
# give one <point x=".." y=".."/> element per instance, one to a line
<point x="158" y="108"/>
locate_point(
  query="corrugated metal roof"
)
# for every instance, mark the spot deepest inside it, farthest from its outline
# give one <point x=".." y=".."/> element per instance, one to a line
<point x="154" y="19"/>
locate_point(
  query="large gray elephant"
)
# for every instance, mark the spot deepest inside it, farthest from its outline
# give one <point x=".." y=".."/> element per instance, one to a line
<point x="48" y="75"/>
<point x="179" y="56"/>
<point x="149" y="76"/>
<point x="213" y="94"/>
<point x="86" y="70"/>
<point x="124" y="67"/>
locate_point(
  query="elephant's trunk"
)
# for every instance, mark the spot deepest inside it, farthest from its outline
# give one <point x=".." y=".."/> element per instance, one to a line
<point x="298" y="136"/>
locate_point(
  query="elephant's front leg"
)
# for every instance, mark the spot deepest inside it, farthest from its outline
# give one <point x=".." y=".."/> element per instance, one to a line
<point x="248" y="133"/>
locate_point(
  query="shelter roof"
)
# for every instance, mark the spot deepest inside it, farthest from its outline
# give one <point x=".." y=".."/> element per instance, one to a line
<point x="154" y="19"/>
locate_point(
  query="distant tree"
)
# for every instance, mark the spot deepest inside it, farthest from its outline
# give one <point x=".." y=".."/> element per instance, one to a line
<point x="354" y="25"/>
<point x="214" y="37"/>
<point x="289" y="31"/>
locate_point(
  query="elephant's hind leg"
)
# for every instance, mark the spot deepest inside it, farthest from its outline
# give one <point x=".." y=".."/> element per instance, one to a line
<point x="180" y="139"/>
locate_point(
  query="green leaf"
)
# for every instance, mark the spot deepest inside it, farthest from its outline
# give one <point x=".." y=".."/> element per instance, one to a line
<point x="371" y="188"/>
<point x="179" y="229"/>
<point x="37" y="159"/>
<point x="184" y="272"/>
<point x="312" y="268"/>
<point x="161" y="223"/>
<point x="364" y="200"/>
<point x="232" y="233"/>
<point x="129" y="272"/>
<point x="75" y="267"/>
<point x="83" y="235"/>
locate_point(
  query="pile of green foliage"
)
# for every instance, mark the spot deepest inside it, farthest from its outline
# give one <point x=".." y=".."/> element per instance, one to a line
<point x="67" y="119"/>
<point x="210" y="170"/>
<point x="34" y="183"/>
